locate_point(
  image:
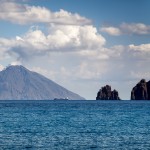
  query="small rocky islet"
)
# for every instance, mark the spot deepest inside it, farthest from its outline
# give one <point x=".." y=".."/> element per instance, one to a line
<point x="141" y="91"/>
<point x="105" y="93"/>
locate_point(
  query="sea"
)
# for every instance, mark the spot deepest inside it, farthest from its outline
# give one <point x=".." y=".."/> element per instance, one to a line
<point x="75" y="125"/>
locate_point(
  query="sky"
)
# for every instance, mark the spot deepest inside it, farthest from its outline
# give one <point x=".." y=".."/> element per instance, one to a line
<point x="81" y="45"/>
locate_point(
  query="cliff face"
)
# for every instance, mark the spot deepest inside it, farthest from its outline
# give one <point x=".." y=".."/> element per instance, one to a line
<point x="105" y="93"/>
<point x="148" y="89"/>
<point x="141" y="91"/>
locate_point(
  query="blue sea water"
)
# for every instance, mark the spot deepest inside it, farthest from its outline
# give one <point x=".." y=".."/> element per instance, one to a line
<point x="75" y="125"/>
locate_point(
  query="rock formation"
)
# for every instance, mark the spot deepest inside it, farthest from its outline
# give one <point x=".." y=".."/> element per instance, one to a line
<point x="141" y="91"/>
<point x="105" y="93"/>
<point x="148" y="89"/>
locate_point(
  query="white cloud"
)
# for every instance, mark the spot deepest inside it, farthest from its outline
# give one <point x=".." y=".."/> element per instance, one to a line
<point x="66" y="73"/>
<point x="82" y="70"/>
<point x="140" y="48"/>
<point x="25" y="14"/>
<point x="18" y="38"/>
<point x="111" y="30"/>
<point x="14" y="63"/>
<point x="97" y="54"/>
<point x="1" y="67"/>
<point x="75" y="37"/>
<point x="135" y="28"/>
<point x="60" y="38"/>
<point x="90" y="70"/>
<point x="46" y="72"/>
<point x="40" y="70"/>
<point x="127" y="28"/>
<point x="103" y="53"/>
<point x="140" y="75"/>
<point x="4" y="45"/>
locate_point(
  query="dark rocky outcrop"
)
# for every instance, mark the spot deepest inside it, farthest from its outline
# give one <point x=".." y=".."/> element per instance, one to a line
<point x="141" y="91"/>
<point x="148" y="89"/>
<point x="105" y="93"/>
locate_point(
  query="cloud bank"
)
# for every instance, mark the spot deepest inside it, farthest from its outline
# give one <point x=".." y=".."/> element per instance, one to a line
<point x="127" y="28"/>
<point x="25" y="14"/>
<point x="61" y="38"/>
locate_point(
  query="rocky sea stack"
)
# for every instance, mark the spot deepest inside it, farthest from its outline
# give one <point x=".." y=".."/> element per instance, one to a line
<point x="105" y="93"/>
<point x="141" y="91"/>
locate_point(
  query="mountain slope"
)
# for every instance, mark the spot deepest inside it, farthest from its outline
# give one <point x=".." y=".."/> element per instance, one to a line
<point x="18" y="83"/>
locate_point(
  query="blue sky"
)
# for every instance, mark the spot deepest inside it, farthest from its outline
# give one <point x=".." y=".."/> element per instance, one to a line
<point x="82" y="45"/>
